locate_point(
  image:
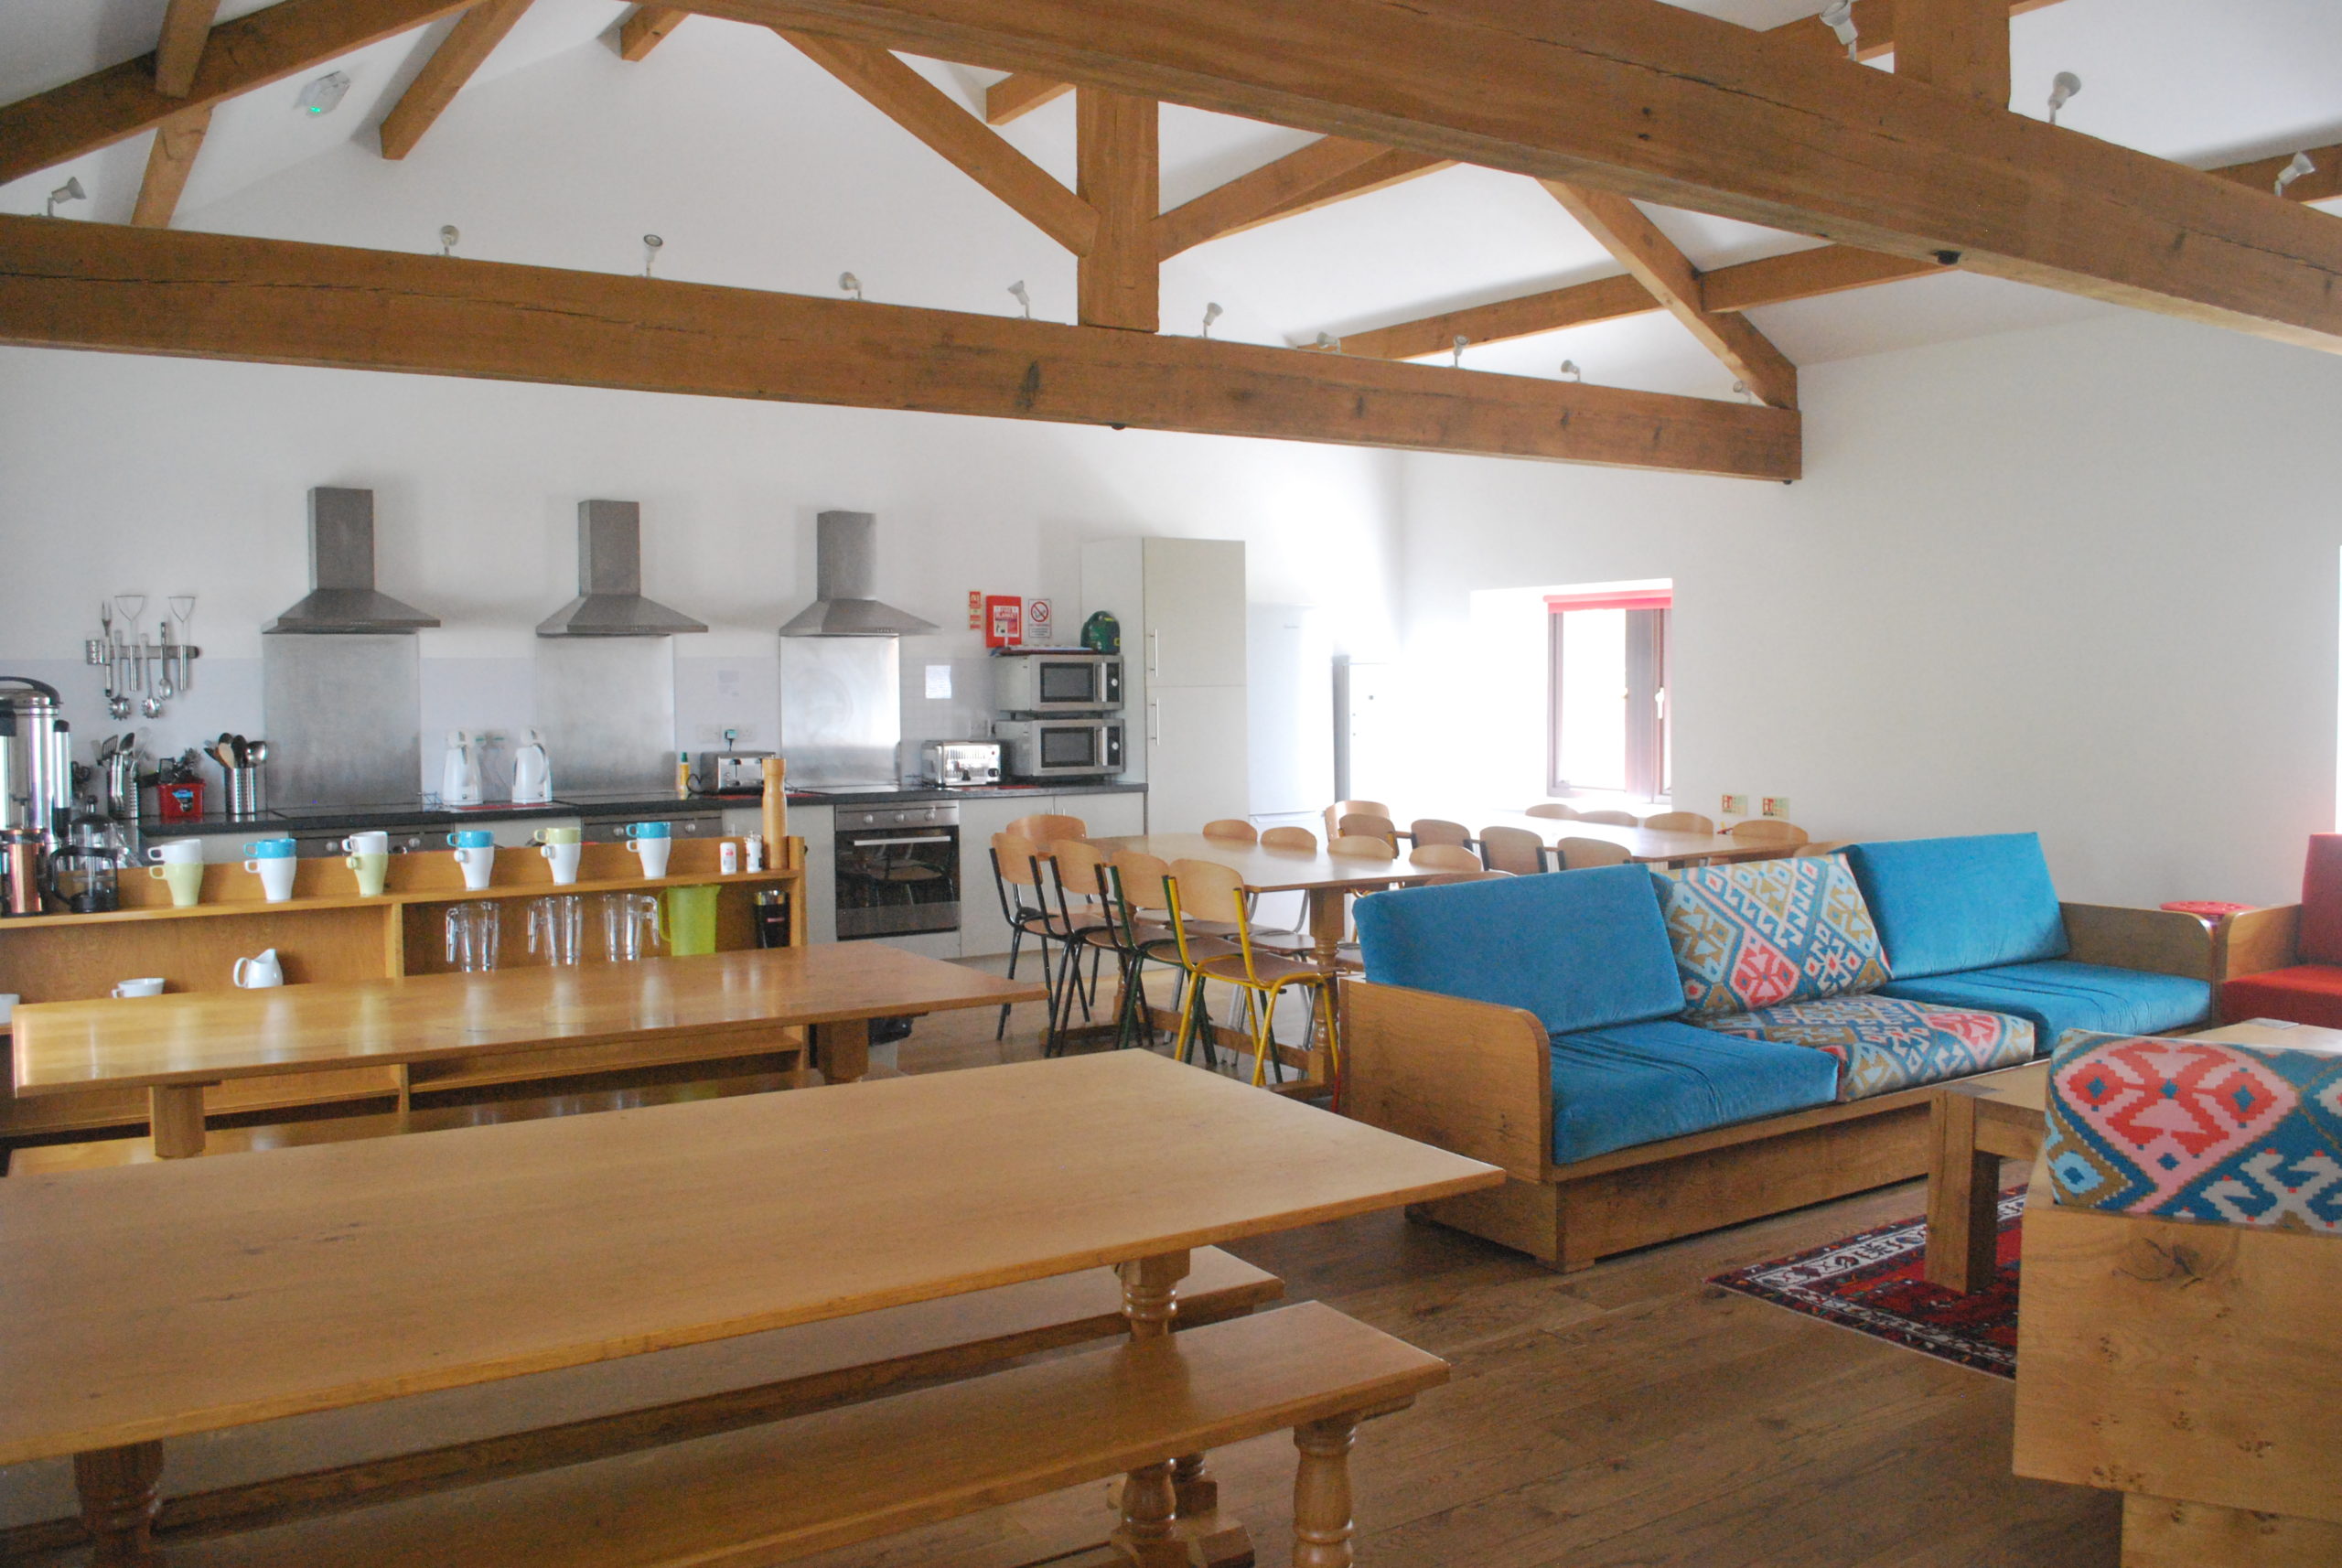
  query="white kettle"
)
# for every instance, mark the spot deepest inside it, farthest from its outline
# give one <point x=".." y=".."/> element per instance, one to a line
<point x="532" y="771"/>
<point x="459" y="779"/>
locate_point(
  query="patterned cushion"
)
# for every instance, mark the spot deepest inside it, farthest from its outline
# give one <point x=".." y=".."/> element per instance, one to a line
<point x="1769" y="931"/>
<point x="2203" y="1130"/>
<point x="1883" y="1044"/>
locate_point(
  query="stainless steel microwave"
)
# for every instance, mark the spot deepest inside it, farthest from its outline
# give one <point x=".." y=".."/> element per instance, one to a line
<point x="1059" y="748"/>
<point x="1069" y="682"/>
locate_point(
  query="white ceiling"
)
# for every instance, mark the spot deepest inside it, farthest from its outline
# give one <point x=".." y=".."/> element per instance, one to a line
<point x="721" y="110"/>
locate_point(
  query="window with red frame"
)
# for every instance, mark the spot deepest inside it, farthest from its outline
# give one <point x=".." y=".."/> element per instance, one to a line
<point x="1607" y="727"/>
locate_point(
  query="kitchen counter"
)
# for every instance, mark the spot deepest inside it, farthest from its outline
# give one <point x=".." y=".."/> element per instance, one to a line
<point x="913" y="794"/>
<point x="394" y="817"/>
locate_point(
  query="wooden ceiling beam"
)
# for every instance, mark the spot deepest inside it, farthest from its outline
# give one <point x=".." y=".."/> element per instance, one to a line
<point x="1877" y="27"/>
<point x="1119" y="279"/>
<point x="460" y="53"/>
<point x="269" y="45"/>
<point x="1962" y="45"/>
<point x="1269" y="191"/>
<point x="1805" y="274"/>
<point x="1655" y="261"/>
<point x="1603" y="299"/>
<point x="1018" y="94"/>
<point x="927" y="112"/>
<point x="112" y="288"/>
<point x="646" y="28"/>
<point x="1663" y="105"/>
<point x="2324" y="184"/>
<point x="1393" y="168"/>
<point x="168" y="163"/>
<point x="186" y="28"/>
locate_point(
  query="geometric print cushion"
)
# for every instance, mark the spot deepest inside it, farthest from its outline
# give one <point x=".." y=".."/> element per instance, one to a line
<point x="1763" y="932"/>
<point x="2205" y="1129"/>
<point x="1883" y="1043"/>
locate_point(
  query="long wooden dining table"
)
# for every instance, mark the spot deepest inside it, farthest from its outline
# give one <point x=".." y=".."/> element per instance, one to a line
<point x="698" y="1009"/>
<point x="1648" y="845"/>
<point x="149" y="1302"/>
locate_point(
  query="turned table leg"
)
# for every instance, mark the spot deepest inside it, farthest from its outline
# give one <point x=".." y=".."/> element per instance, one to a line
<point x="175" y="1116"/>
<point x="119" y="1503"/>
<point x="1321" y="1493"/>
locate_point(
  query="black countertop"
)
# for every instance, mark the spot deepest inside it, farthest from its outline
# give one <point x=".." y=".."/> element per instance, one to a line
<point x="913" y="794"/>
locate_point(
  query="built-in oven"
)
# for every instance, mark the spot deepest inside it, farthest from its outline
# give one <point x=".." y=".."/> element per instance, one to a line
<point x="897" y="870"/>
<point x="1069" y="682"/>
<point x="1059" y="748"/>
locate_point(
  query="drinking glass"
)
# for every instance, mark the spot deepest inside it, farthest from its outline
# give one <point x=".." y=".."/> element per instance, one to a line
<point x="472" y="931"/>
<point x="629" y="926"/>
<point x="557" y="929"/>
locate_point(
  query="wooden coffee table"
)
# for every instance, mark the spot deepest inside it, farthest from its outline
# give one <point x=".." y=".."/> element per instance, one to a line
<point x="1981" y="1121"/>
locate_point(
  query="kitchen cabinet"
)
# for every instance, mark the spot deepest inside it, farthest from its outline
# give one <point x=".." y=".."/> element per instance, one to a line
<point x="1181" y="603"/>
<point x="817" y="825"/>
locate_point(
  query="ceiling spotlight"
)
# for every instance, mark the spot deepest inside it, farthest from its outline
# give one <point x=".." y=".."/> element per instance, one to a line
<point x="2062" y="87"/>
<point x="850" y="284"/>
<point x="1570" y="372"/>
<point x="2294" y="171"/>
<point x="69" y="191"/>
<point x="1839" y="17"/>
<point x="650" y="243"/>
<point x="1741" y="388"/>
<point x="1330" y="343"/>
<point x="324" y="95"/>
<point x="1211" y="314"/>
<point x="1458" y="345"/>
<point x="448" y="235"/>
<point x="1017" y="288"/>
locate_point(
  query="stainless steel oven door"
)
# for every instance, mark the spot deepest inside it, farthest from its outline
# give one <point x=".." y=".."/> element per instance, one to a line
<point x="897" y="871"/>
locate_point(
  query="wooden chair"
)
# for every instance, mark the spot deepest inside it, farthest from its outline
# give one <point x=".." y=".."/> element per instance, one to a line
<point x="1046" y="828"/>
<point x="1767" y="829"/>
<point x="1578" y="854"/>
<point x="1446" y="878"/>
<point x="1553" y="809"/>
<point x="1025" y="904"/>
<point x="1233" y="830"/>
<point x="1444" y="857"/>
<point x="1516" y="849"/>
<point x="1433" y="829"/>
<point x="1300" y="839"/>
<point x="1365" y="825"/>
<point x="1340" y="809"/>
<point x="1210" y="891"/>
<point x="1086" y="913"/>
<point x="1364" y="846"/>
<point x="1680" y="822"/>
<point x="1817" y="848"/>
<point x="1611" y="818"/>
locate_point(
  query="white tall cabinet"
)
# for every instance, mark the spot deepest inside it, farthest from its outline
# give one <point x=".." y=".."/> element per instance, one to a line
<point x="1182" y="609"/>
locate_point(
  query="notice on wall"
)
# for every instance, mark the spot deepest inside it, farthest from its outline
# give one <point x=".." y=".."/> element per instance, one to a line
<point x="1039" y="625"/>
<point x="1003" y="620"/>
<point x="939" y="683"/>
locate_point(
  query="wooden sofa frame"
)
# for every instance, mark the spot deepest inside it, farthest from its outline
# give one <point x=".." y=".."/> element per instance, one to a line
<point x="1476" y="1079"/>
<point x="2258" y="940"/>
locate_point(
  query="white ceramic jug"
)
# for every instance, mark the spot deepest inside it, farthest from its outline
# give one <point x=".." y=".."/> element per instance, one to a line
<point x="255" y="974"/>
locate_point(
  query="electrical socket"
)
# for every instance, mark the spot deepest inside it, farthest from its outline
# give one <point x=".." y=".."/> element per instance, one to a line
<point x="744" y="737"/>
<point x="1736" y="805"/>
<point x="1773" y="805"/>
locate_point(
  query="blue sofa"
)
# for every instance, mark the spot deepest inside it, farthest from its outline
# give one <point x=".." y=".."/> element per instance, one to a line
<point x="1653" y="1054"/>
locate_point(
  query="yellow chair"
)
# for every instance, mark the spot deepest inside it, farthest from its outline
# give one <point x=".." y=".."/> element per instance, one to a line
<point x="1444" y="857"/>
<point x="1433" y="830"/>
<point x="1611" y="818"/>
<point x="1147" y="918"/>
<point x="1551" y="808"/>
<point x="1578" y="854"/>
<point x="1680" y="822"/>
<point x="1300" y="839"/>
<point x="1210" y="891"/>
<point x="1516" y="849"/>
<point x="1233" y="830"/>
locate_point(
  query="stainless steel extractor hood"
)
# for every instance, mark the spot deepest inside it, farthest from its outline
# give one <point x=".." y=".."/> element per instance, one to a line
<point x="845" y="571"/>
<point x="342" y="598"/>
<point x="609" y="601"/>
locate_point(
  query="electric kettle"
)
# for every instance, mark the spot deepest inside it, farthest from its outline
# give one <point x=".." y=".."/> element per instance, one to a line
<point x="532" y="771"/>
<point x="459" y="778"/>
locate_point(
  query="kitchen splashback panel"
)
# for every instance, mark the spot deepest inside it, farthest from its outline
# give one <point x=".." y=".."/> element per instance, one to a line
<point x="606" y="707"/>
<point x="340" y="713"/>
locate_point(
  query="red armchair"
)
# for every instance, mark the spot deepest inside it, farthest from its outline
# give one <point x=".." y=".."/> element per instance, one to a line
<point x="2287" y="963"/>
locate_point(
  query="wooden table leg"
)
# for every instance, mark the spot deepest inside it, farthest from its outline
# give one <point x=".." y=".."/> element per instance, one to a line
<point x="841" y="1050"/>
<point x="1328" y="912"/>
<point x="1170" y="1510"/>
<point x="175" y="1116"/>
<point x="1964" y="1199"/>
<point x="119" y="1503"/>
<point x="1321" y="1493"/>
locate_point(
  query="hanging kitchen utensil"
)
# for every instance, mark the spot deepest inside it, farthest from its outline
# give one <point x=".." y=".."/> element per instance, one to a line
<point x="183" y="611"/>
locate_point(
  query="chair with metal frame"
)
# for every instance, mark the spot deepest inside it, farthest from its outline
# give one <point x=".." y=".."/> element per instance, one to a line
<point x="1045" y="828"/>
<point x="1232" y="830"/>
<point x="1340" y="809"/>
<point x="1553" y="809"/>
<point x="1516" y="849"/>
<point x="1579" y="854"/>
<point x="1084" y="913"/>
<point x="1016" y="863"/>
<point x="1435" y="829"/>
<point x="1680" y="822"/>
<point x="1449" y="878"/>
<point x="1300" y="839"/>
<point x="1611" y="818"/>
<point x="1215" y="892"/>
<point x="1367" y="824"/>
<point x="1142" y="902"/>
<point x="1444" y="857"/>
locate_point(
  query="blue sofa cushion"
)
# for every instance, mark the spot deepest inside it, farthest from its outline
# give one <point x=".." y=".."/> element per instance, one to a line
<point x="1579" y="949"/>
<point x="1882" y="1044"/>
<point x="2059" y="996"/>
<point x="1946" y="905"/>
<point x="1638" y="1083"/>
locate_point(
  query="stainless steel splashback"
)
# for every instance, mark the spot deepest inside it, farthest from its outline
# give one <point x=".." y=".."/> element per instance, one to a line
<point x="840" y="709"/>
<point x="606" y="707"/>
<point x="341" y="715"/>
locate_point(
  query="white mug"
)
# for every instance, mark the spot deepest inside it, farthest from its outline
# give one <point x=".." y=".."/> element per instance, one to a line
<point x="176" y="851"/>
<point x="478" y="864"/>
<point x="654" y="853"/>
<point x="366" y="844"/>
<point x="275" y="874"/>
<point x="150" y="986"/>
<point x="564" y="858"/>
<point x="259" y="973"/>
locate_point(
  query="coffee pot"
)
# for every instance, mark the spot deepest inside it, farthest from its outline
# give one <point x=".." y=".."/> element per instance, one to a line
<point x="35" y="787"/>
<point x="85" y="876"/>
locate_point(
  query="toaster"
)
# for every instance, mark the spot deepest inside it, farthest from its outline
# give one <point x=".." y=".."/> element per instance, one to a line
<point x="960" y="761"/>
<point x="730" y="772"/>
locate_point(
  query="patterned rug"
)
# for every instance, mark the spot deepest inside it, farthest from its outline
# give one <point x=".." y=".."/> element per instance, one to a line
<point x="1873" y="1285"/>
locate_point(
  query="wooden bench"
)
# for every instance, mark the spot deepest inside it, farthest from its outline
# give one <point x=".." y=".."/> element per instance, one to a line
<point x="370" y="1454"/>
<point x="772" y="1492"/>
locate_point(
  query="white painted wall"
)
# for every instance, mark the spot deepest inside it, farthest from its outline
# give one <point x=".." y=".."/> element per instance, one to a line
<point x="2081" y="580"/>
